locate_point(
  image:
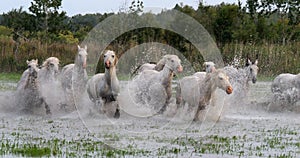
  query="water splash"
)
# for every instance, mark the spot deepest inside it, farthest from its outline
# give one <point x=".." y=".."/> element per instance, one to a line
<point x="288" y="100"/>
<point x="238" y="80"/>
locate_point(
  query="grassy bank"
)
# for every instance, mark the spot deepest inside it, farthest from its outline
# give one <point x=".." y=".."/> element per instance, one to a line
<point x="12" y="76"/>
<point x="273" y="58"/>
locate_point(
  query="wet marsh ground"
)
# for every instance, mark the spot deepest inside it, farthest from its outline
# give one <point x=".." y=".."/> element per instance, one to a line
<point x="247" y="130"/>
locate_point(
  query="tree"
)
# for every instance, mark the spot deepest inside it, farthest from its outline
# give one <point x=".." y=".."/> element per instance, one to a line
<point x="20" y="21"/>
<point x="285" y="15"/>
<point x="226" y="22"/>
<point x="47" y="15"/>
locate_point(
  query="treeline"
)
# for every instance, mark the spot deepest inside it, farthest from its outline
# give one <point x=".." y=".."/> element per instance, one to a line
<point x="267" y="30"/>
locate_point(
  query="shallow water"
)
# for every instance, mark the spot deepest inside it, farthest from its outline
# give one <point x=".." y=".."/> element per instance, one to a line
<point x="247" y="130"/>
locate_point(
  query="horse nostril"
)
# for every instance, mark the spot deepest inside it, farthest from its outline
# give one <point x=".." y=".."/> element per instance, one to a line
<point x="179" y="68"/>
<point x="107" y="64"/>
<point x="229" y="90"/>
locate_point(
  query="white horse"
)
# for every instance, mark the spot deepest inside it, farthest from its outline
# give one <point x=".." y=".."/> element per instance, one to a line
<point x="49" y="71"/>
<point x="248" y="73"/>
<point x="74" y="76"/>
<point x="48" y="77"/>
<point x="151" y="66"/>
<point x="240" y="78"/>
<point x="104" y="88"/>
<point x="197" y="92"/>
<point x="28" y="89"/>
<point x="152" y="86"/>
<point x="209" y="68"/>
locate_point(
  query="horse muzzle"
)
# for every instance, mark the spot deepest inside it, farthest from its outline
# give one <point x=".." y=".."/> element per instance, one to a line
<point x="229" y="90"/>
<point x="107" y="64"/>
<point x="254" y="80"/>
<point x="179" y="69"/>
<point x="84" y="65"/>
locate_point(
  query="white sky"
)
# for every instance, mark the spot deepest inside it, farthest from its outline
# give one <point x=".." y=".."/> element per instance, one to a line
<point x="73" y="7"/>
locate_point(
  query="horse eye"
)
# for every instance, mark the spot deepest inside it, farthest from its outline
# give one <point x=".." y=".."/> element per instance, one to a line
<point x="172" y="61"/>
<point x="221" y="78"/>
<point x="251" y="70"/>
<point x="104" y="56"/>
<point x="113" y="56"/>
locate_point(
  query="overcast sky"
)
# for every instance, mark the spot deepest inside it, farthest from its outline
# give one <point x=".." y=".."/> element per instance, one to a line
<point x="73" y="7"/>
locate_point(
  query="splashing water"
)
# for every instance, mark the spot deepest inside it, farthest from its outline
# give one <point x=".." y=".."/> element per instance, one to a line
<point x="238" y="80"/>
<point x="287" y="100"/>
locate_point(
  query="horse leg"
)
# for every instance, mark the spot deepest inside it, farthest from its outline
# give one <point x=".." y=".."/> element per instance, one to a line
<point x="169" y="95"/>
<point x="48" y="111"/>
<point x="200" y="108"/>
<point x="163" y="109"/>
<point x="117" y="113"/>
<point x="178" y="96"/>
<point x="99" y="105"/>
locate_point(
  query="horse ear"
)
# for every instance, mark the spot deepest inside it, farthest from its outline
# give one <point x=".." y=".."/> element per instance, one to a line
<point x="249" y="62"/>
<point x="27" y="61"/>
<point x="85" y="47"/>
<point x="256" y="62"/>
<point x="36" y="61"/>
<point x="78" y="47"/>
<point x="45" y="64"/>
<point x="161" y="63"/>
<point x="116" y="61"/>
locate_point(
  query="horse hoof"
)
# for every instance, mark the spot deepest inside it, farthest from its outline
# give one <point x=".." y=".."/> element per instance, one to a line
<point x="48" y="113"/>
<point x="117" y="114"/>
<point x="162" y="110"/>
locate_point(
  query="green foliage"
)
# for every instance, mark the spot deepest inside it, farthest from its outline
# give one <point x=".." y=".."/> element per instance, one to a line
<point x="224" y="26"/>
<point x="47" y="15"/>
<point x="5" y="31"/>
<point x="32" y="151"/>
<point x="67" y="37"/>
<point x="252" y="30"/>
<point x="10" y="76"/>
<point x="273" y="58"/>
<point x="20" y="21"/>
<point x="14" y="60"/>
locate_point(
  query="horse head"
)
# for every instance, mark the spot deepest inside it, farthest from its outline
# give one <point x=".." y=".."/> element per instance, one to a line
<point x="32" y="67"/>
<point x="110" y="59"/>
<point x="52" y="65"/>
<point x="221" y="80"/>
<point x="209" y="66"/>
<point x="252" y="70"/>
<point x="82" y="56"/>
<point x="173" y="63"/>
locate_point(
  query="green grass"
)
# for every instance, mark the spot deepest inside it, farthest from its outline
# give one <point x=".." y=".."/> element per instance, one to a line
<point x="265" y="78"/>
<point x="34" y="151"/>
<point x="10" y="76"/>
<point x="28" y="146"/>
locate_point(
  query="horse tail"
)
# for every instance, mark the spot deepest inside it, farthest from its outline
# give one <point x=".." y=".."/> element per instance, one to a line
<point x="178" y="95"/>
<point x="135" y="71"/>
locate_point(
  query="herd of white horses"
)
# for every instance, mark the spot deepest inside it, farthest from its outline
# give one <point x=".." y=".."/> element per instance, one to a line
<point x="197" y="91"/>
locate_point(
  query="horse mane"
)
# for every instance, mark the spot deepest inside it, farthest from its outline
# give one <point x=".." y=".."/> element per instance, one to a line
<point x="138" y="67"/>
<point x="46" y="62"/>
